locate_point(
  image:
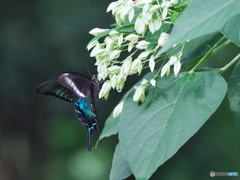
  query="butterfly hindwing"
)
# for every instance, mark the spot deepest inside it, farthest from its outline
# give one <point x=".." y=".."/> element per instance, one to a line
<point x="85" y="113"/>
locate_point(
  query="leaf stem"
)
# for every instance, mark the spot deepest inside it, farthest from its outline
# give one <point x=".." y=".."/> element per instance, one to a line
<point x="210" y="52"/>
<point x="223" y="69"/>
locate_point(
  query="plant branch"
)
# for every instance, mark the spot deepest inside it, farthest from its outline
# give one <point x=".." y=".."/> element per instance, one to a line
<point x="223" y="69"/>
<point x="213" y="50"/>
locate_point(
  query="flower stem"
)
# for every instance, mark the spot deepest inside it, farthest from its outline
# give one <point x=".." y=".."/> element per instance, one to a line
<point x="223" y="69"/>
<point x="213" y="50"/>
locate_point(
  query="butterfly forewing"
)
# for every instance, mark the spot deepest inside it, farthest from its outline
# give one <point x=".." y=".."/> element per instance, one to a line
<point x="76" y="82"/>
<point x="52" y="87"/>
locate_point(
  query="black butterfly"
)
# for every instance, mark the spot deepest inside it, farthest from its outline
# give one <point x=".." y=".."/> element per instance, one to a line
<point x="80" y="89"/>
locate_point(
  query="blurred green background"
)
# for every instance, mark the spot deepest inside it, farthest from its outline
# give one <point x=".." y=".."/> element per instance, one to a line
<point x="40" y="137"/>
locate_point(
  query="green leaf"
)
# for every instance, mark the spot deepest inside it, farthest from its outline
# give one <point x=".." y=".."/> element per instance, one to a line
<point x="234" y="92"/>
<point x="152" y="132"/>
<point x="126" y="28"/>
<point x="174" y="17"/>
<point x="110" y="127"/>
<point x="200" y="18"/>
<point x="231" y="29"/>
<point x="120" y="168"/>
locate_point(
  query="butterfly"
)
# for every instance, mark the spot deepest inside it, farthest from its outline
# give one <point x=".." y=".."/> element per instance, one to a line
<point x="80" y="90"/>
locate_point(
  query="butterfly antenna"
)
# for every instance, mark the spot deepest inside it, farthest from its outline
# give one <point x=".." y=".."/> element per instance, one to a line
<point x="87" y="68"/>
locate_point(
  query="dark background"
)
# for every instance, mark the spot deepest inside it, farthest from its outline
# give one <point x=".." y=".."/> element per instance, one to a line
<point x="40" y="137"/>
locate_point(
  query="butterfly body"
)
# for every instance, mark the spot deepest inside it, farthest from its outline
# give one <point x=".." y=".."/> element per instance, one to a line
<point x="82" y="91"/>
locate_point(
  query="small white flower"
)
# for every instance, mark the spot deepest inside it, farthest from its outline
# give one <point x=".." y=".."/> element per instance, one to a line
<point x="176" y="68"/>
<point x="165" y="69"/>
<point x="118" y="109"/>
<point x="114" y="33"/>
<point x="143" y="55"/>
<point x="111" y="6"/>
<point x="144" y="82"/>
<point x="132" y="37"/>
<point x="164" y="13"/>
<point x="130" y="46"/>
<point x="126" y="65"/>
<point x="97" y="31"/>
<point x="97" y="50"/>
<point x="114" y="69"/>
<point x="120" y="40"/>
<point x="120" y="82"/>
<point x="139" y="94"/>
<point x="151" y="63"/>
<point x="104" y="92"/>
<point x="165" y="3"/>
<point x="115" y="54"/>
<point x="142" y="44"/>
<point x="172" y="60"/>
<point x="113" y="80"/>
<point x="173" y="1"/>
<point x="136" y="66"/>
<point x="153" y="82"/>
<point x="131" y="15"/>
<point x="163" y="39"/>
<point x="92" y="44"/>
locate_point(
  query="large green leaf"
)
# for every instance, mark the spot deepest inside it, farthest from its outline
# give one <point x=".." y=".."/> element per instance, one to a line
<point x="232" y="28"/>
<point x="152" y="132"/>
<point x="234" y="92"/>
<point x="120" y="168"/>
<point x="200" y="18"/>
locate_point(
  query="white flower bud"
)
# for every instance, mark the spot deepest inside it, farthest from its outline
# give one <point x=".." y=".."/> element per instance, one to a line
<point x="131" y="37"/>
<point x="139" y="94"/>
<point x="104" y="92"/>
<point x="120" y="82"/>
<point x="163" y="39"/>
<point x="164" y="13"/>
<point x="176" y="68"/>
<point x="153" y="82"/>
<point x="151" y="63"/>
<point x="114" y="69"/>
<point x="97" y="31"/>
<point x="114" y="81"/>
<point x="118" y="109"/>
<point x="143" y="55"/>
<point x="126" y="65"/>
<point x="144" y="82"/>
<point x="115" y="54"/>
<point x="165" y="69"/>
<point x="165" y="4"/>
<point x="172" y="60"/>
<point x="136" y="66"/>
<point x="114" y="33"/>
<point x="142" y="44"/>
<point x="131" y="15"/>
<point x="111" y="6"/>
<point x="96" y="51"/>
<point x="92" y="44"/>
<point x="173" y="1"/>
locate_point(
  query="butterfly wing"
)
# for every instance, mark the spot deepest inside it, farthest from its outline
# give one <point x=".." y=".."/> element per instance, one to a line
<point x="77" y="83"/>
<point x="52" y="87"/>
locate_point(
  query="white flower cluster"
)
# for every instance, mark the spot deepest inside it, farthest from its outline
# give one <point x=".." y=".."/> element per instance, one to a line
<point x="146" y="15"/>
<point x="152" y="15"/>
